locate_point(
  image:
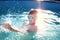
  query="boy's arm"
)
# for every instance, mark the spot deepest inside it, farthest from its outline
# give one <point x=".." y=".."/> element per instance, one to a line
<point x="8" y="26"/>
<point x="12" y="29"/>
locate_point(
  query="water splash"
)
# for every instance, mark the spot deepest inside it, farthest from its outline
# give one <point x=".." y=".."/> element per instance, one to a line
<point x="48" y="24"/>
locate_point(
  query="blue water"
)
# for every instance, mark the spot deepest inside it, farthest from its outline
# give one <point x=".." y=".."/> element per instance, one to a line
<point x="15" y="13"/>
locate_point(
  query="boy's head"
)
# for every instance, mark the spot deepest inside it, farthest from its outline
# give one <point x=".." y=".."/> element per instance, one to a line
<point x="32" y="16"/>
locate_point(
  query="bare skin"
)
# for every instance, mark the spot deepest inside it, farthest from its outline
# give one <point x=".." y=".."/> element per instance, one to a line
<point x="8" y="26"/>
<point x="31" y="22"/>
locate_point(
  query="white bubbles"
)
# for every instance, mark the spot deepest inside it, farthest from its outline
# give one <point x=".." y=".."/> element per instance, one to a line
<point x="46" y="21"/>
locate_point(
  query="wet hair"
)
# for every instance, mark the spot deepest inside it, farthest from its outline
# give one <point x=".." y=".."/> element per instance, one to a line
<point x="33" y="12"/>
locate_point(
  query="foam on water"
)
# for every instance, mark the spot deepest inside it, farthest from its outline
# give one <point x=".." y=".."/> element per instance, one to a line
<point x="48" y="25"/>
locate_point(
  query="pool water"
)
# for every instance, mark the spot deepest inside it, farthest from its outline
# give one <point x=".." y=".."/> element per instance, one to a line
<point x="48" y="23"/>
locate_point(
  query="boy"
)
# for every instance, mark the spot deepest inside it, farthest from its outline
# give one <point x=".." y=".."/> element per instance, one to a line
<point x="31" y="27"/>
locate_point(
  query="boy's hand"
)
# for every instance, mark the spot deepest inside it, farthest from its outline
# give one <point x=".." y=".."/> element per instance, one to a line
<point x="6" y="25"/>
<point x="24" y="23"/>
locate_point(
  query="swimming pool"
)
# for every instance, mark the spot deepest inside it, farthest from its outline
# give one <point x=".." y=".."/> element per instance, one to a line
<point x="47" y="30"/>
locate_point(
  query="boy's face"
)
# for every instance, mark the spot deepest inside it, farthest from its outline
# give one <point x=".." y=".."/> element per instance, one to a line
<point x="32" y="18"/>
